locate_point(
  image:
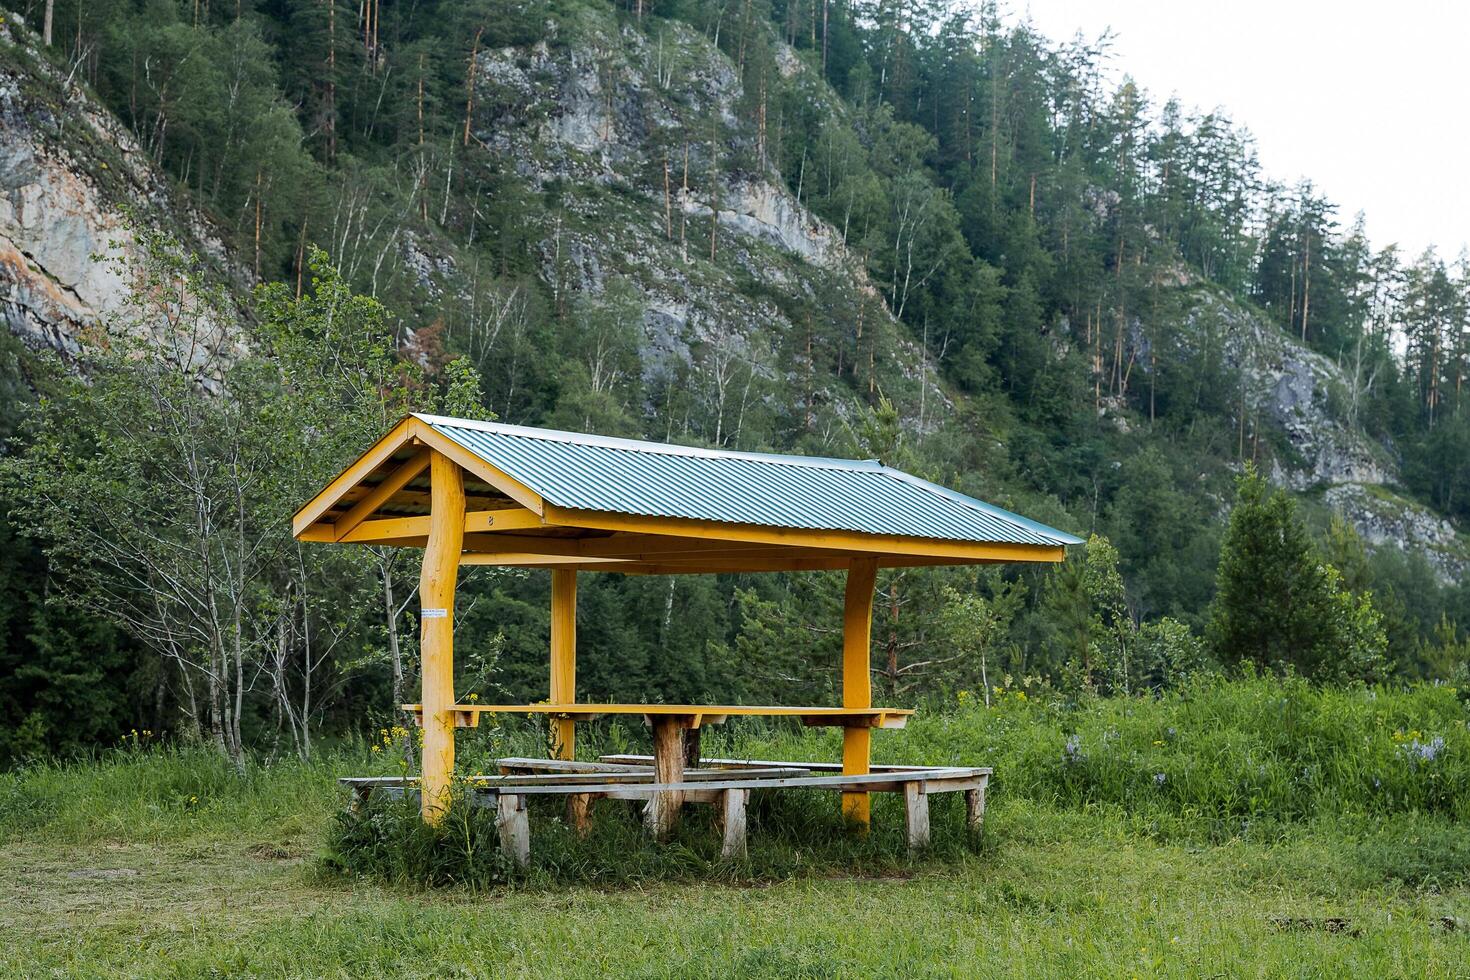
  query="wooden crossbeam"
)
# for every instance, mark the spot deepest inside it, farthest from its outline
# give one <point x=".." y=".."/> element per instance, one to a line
<point x="414" y="531"/>
<point x="380" y="494"/>
<point x="421" y="499"/>
<point x="521" y="559"/>
<point x="363" y="467"/>
<point x="691" y="715"/>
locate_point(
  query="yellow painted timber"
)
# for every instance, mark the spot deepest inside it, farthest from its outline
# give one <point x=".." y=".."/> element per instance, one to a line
<point x="708" y="566"/>
<point x="380" y="494"/>
<point x="714" y="567"/>
<point x="405" y="499"/>
<point x="520" y="559"/>
<point x="847" y="541"/>
<point x="709" y="713"/>
<point x="797" y="565"/>
<point x="436" y="644"/>
<point x="563" y="658"/>
<point x="491" y="474"/>
<point x="633" y="547"/>
<point x="414" y="531"/>
<point x="857" y="680"/>
<point x="378" y="454"/>
<point x="722" y="555"/>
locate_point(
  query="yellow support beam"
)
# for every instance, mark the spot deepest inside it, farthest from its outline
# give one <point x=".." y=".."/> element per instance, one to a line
<point x="436" y="644"/>
<point x="563" y="658"/>
<point x="381" y="452"/>
<point x="527" y="559"/>
<point x="844" y="541"/>
<point x="380" y="494"/>
<point x="857" y="680"/>
<point x="412" y="532"/>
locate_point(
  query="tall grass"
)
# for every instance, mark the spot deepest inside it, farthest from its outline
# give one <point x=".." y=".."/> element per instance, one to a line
<point x="1251" y="748"/>
<point x="151" y="793"/>
<point x="1247" y="758"/>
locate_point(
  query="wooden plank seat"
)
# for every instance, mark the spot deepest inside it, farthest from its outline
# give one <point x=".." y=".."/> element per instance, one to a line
<point x="727" y="787"/>
<point x="684" y="715"/>
<point x="629" y="760"/>
<point x="619" y="777"/>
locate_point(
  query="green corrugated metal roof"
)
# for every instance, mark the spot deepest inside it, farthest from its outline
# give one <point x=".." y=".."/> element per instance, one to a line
<point x="652" y="479"/>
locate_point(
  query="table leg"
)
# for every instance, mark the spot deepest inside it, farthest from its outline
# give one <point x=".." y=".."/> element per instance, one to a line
<point x="668" y="767"/>
<point x="732" y="823"/>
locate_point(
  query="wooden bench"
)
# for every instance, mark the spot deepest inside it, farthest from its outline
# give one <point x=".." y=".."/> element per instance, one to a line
<point x="726" y="786"/>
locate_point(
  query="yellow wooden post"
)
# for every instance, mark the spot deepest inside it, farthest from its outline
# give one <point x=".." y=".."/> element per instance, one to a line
<point x="563" y="658"/>
<point x="857" y="682"/>
<point x="436" y="594"/>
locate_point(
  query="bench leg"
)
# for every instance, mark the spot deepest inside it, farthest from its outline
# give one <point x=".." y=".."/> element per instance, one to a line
<point x="579" y="813"/>
<point x="975" y="809"/>
<point x="514" y="824"/>
<point x="732" y="821"/>
<point x="916" y="809"/>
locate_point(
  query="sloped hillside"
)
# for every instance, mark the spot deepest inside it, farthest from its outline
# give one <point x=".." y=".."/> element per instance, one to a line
<point x="1299" y="421"/>
<point x="714" y="230"/>
<point x="755" y="325"/>
<point x="75" y="192"/>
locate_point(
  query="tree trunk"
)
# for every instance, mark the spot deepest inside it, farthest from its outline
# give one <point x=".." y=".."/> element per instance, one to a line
<point x="1306" y="286"/>
<point x="469" y="85"/>
<point x="330" y="109"/>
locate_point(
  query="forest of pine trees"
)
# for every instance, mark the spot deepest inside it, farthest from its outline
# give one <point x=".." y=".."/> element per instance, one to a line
<point x="1037" y="222"/>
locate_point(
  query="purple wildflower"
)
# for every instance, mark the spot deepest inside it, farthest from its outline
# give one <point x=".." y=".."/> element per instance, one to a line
<point x="1421" y="752"/>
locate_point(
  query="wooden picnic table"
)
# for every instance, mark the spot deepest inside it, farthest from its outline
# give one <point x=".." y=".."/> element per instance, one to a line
<point x="673" y="749"/>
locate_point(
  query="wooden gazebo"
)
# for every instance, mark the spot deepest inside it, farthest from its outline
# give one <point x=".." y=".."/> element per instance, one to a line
<point x="481" y="493"/>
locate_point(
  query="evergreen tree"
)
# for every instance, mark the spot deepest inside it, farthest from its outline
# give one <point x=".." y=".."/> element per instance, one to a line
<point x="1278" y="604"/>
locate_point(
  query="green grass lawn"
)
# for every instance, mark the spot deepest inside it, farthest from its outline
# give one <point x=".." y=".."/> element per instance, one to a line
<point x="232" y="884"/>
<point x="1295" y="833"/>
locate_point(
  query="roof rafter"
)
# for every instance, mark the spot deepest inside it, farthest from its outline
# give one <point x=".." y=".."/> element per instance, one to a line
<point x="380" y="494"/>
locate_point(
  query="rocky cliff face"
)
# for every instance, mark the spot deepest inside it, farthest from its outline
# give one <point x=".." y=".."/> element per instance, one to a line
<point x="1304" y="400"/>
<point x="1386" y="520"/>
<point x="644" y="141"/>
<point x="68" y="172"/>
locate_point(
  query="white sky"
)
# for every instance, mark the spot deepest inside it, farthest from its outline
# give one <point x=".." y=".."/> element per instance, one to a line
<point x="1365" y="99"/>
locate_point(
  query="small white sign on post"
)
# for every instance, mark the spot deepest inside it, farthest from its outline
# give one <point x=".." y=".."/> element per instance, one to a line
<point x="435" y="614"/>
